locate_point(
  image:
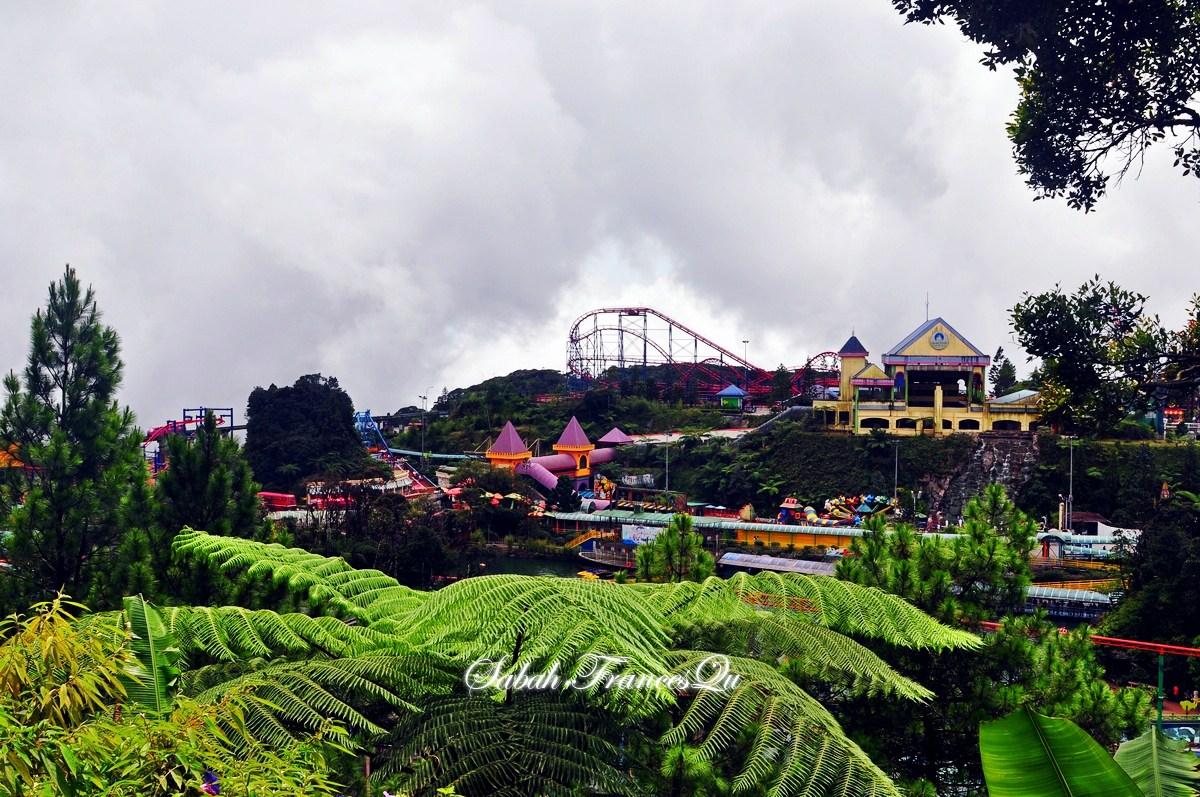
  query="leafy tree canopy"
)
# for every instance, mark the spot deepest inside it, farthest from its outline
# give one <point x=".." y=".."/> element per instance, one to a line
<point x="303" y="430"/>
<point x="977" y="575"/>
<point x="1103" y="357"/>
<point x="73" y="720"/>
<point x="1101" y="80"/>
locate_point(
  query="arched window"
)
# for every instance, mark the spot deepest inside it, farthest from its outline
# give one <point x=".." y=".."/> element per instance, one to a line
<point x="583" y="463"/>
<point x="906" y="423"/>
<point x="947" y="424"/>
<point x="1006" y="426"/>
<point x="874" y="423"/>
<point x="969" y="423"/>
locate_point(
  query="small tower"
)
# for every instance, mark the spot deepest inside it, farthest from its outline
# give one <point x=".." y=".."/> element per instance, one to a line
<point x="509" y="450"/>
<point x="854" y="359"/>
<point x="575" y="442"/>
<point x="614" y="438"/>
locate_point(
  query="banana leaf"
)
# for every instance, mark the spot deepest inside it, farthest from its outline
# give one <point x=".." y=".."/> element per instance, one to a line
<point x="1161" y="767"/>
<point x="1028" y="755"/>
<point x="150" y="679"/>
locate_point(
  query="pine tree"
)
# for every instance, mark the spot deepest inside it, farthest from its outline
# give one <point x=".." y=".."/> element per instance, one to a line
<point x="78" y="448"/>
<point x="676" y="554"/>
<point x="1004" y="374"/>
<point x="781" y="384"/>
<point x="207" y="485"/>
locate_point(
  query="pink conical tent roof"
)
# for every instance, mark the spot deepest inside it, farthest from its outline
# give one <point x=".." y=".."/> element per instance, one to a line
<point x="509" y="442"/>
<point x="616" y="437"/>
<point x="573" y="436"/>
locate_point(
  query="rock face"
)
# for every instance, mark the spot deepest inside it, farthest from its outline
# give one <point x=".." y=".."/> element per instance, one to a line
<point x="1005" y="458"/>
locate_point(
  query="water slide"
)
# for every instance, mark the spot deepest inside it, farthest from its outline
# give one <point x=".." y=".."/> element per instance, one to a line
<point x="811" y="517"/>
<point x="406" y="453"/>
<point x="538" y="472"/>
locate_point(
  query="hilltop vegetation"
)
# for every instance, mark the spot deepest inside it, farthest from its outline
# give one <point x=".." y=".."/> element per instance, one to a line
<point x="466" y="419"/>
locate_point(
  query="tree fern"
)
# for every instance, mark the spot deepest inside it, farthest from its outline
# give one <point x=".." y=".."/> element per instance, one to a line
<point x="399" y="646"/>
<point x="526" y="619"/>
<point x="851" y="608"/>
<point x="798" y="748"/>
<point x="840" y="605"/>
<point x="302" y="671"/>
<point x="544" y="744"/>
<point x="295" y="697"/>
<point x="328" y="583"/>
<point x="229" y="633"/>
<point x="710" y="615"/>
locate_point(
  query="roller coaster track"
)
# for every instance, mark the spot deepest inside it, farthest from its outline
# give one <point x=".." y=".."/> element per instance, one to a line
<point x="602" y="339"/>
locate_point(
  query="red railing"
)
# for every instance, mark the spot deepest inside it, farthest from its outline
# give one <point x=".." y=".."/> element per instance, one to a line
<point x="1127" y="644"/>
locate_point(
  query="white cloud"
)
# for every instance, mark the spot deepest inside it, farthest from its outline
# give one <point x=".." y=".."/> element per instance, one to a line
<point x="414" y="193"/>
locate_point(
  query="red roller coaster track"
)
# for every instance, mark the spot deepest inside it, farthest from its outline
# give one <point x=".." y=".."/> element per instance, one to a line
<point x="612" y="338"/>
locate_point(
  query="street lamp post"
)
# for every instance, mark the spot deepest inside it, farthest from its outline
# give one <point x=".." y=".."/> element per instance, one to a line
<point x="1071" y="489"/>
<point x="667" y="486"/>
<point x="896" y="475"/>
<point x="746" y="361"/>
<point x="423" y="401"/>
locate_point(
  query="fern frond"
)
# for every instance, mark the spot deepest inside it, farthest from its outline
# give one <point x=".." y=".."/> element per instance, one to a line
<point x="545" y="744"/>
<point x="829" y="655"/>
<point x="329" y="583"/>
<point x="744" y="628"/>
<point x="300" y="696"/>
<point x="536" y="620"/>
<point x="798" y="748"/>
<point x="229" y="633"/>
<point x="851" y="608"/>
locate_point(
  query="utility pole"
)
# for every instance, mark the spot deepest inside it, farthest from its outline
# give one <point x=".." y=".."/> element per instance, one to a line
<point x="1071" y="490"/>
<point x="1161" y="693"/>
<point x="896" y="475"/>
<point x="423" y="401"/>
<point x="745" y="361"/>
<point x="667" y="487"/>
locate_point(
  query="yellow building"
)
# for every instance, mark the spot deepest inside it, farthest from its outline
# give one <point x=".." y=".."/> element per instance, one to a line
<point x="932" y="382"/>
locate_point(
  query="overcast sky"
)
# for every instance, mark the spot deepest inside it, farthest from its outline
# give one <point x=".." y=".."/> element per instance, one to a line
<point x="412" y="194"/>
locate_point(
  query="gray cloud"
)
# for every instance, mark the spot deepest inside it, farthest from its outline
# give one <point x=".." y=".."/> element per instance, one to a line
<point x="406" y="194"/>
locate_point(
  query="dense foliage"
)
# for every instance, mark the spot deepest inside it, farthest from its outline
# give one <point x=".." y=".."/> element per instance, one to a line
<point x="1103" y="358"/>
<point x="1162" y="601"/>
<point x="676" y="554"/>
<point x="80" y="452"/>
<point x="494" y="739"/>
<point x="70" y="724"/>
<point x="1123" y="482"/>
<point x="304" y="430"/>
<point x="468" y="418"/>
<point x="978" y="575"/>
<point x="1101" y="80"/>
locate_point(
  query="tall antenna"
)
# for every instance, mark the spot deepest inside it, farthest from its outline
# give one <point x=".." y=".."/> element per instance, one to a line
<point x="926" y="305"/>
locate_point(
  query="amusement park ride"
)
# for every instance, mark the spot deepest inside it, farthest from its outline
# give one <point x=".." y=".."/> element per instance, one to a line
<point x="610" y="344"/>
<point x="191" y="418"/>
